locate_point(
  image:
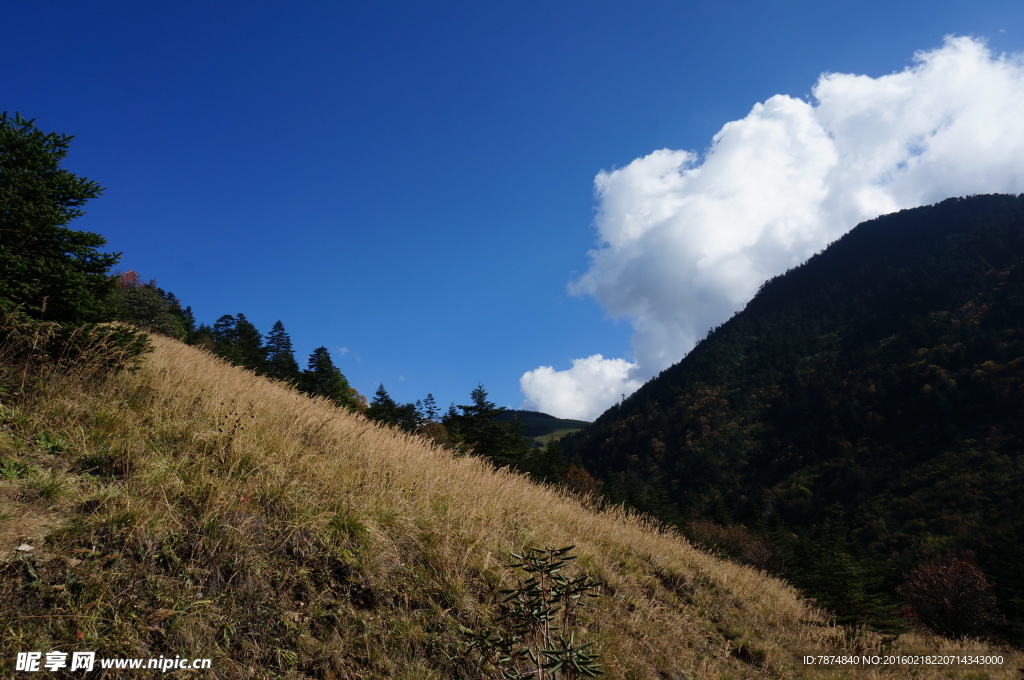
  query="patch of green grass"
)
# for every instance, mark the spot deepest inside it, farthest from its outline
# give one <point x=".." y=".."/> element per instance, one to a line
<point x="350" y="529"/>
<point x="557" y="434"/>
<point x="49" y="486"/>
<point x="13" y="469"/>
<point x="53" y="444"/>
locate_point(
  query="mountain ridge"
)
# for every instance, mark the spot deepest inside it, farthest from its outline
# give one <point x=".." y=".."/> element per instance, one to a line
<point x="541" y="427"/>
<point x="880" y="381"/>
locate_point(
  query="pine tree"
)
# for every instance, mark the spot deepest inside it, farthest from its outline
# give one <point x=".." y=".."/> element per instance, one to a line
<point x="281" y="363"/>
<point x="383" y="408"/>
<point x="183" y="314"/>
<point x="843" y="583"/>
<point x="238" y="341"/>
<point x="224" y="336"/>
<point x="47" y="270"/>
<point x="410" y="417"/>
<point x="202" y="337"/>
<point x="386" y="410"/>
<point x="431" y="413"/>
<point x="323" y="379"/>
<point x="249" y="346"/>
<point x="475" y="428"/>
<point x="548" y="464"/>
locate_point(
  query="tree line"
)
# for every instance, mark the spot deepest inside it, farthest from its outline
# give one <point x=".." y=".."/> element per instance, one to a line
<point x="53" y="275"/>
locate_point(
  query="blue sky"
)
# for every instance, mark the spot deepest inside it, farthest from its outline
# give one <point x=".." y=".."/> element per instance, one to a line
<point x="412" y="184"/>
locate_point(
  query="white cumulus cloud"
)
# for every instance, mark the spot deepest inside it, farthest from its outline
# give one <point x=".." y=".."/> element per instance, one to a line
<point x="586" y="388"/>
<point x="684" y="240"/>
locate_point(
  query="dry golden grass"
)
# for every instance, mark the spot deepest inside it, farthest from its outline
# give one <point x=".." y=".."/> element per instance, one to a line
<point x="193" y="508"/>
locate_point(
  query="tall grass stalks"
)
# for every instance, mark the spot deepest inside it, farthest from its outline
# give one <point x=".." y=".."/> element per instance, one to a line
<point x="202" y="510"/>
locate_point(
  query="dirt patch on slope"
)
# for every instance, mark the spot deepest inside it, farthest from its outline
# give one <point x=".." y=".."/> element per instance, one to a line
<point x="21" y="522"/>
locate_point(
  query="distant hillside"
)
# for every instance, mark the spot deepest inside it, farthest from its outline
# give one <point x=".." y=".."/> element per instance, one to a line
<point x="540" y="427"/>
<point x="867" y="406"/>
<point x="194" y="509"/>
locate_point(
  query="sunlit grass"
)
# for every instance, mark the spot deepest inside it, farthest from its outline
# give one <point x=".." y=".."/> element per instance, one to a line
<point x="205" y="511"/>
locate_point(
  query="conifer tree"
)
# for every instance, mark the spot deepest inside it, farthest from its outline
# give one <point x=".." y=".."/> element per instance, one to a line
<point x="840" y="581"/>
<point x="47" y="270"/>
<point x="430" y="425"/>
<point x="386" y="410"/>
<point x="280" y="356"/>
<point x="323" y="379"/>
<point x="249" y="345"/>
<point x="431" y="413"/>
<point x="202" y="336"/>
<point x="383" y="408"/>
<point x="188" y="318"/>
<point x="183" y="314"/>
<point x="410" y="417"/>
<point x="549" y="464"/>
<point x="500" y="442"/>
<point x="238" y="341"/>
<point x="224" y="335"/>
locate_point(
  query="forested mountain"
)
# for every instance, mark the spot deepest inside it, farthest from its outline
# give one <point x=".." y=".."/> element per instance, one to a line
<point x="541" y="427"/>
<point x="858" y="426"/>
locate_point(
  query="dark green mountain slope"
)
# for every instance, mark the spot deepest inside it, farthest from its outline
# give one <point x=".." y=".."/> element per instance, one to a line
<point x="868" y="404"/>
<point x="540" y="426"/>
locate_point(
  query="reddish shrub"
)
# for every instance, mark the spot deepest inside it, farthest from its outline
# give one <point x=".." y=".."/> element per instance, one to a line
<point x="130" y="279"/>
<point x="953" y="598"/>
<point x="582" y="482"/>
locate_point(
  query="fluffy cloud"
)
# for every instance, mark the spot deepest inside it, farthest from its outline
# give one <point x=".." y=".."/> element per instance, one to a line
<point x="684" y="240"/>
<point x="580" y="392"/>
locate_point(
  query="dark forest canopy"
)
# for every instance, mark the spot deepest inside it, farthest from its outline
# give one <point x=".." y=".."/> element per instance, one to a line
<point x="865" y="407"/>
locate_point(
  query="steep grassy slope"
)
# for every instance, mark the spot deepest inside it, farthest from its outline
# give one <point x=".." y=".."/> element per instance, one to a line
<point x="190" y="508"/>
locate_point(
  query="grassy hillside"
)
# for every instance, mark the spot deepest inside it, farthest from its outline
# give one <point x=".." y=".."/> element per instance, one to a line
<point x="191" y="508"/>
